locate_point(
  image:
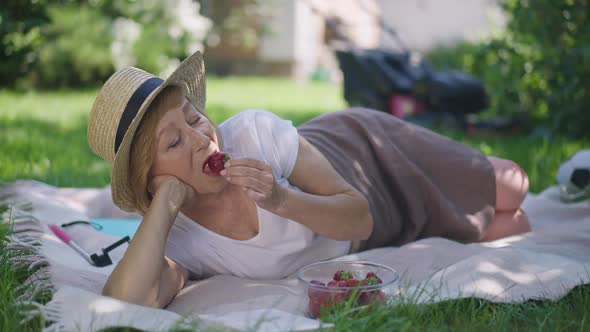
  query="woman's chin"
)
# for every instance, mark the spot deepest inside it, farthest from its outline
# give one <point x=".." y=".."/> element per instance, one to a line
<point x="216" y="183"/>
<point x="207" y="184"/>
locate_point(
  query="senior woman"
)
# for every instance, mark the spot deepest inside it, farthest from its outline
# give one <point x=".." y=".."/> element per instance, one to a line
<point x="343" y="182"/>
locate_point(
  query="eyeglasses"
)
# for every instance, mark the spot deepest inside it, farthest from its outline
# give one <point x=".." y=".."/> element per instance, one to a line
<point x="98" y="260"/>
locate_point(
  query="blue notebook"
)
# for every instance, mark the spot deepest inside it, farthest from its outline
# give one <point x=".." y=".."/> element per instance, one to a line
<point x="118" y="227"/>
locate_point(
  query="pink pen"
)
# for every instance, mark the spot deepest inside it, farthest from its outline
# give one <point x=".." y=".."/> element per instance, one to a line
<point x="68" y="240"/>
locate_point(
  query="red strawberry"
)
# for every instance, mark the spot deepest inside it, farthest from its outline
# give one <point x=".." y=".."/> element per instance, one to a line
<point x="315" y="309"/>
<point x="216" y="162"/>
<point x="315" y="292"/>
<point x="378" y="296"/>
<point x="333" y="283"/>
<point x="342" y="283"/>
<point x="336" y="299"/>
<point x="352" y="283"/>
<point x="370" y="275"/>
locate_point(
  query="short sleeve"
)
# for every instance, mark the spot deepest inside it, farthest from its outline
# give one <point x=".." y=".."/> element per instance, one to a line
<point x="264" y="135"/>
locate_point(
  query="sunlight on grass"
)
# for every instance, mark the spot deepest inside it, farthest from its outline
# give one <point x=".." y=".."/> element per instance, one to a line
<point x="44" y="133"/>
<point x="539" y="157"/>
<point x="43" y="137"/>
<point x="469" y="314"/>
<point x="225" y="97"/>
<point x="295" y="101"/>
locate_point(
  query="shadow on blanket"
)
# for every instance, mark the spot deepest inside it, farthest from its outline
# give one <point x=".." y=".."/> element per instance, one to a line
<point x="543" y="264"/>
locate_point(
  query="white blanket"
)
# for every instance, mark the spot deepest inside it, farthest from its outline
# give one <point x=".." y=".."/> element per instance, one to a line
<point x="543" y="264"/>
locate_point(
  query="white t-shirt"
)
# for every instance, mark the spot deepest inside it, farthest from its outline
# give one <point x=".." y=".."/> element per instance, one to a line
<point x="282" y="246"/>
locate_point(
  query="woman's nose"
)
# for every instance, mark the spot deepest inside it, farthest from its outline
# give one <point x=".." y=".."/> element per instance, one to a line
<point x="199" y="139"/>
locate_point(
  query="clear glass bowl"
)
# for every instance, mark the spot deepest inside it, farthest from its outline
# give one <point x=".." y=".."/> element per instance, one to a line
<point x="319" y="297"/>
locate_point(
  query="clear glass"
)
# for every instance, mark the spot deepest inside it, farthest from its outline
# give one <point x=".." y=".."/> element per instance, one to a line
<point x="318" y="297"/>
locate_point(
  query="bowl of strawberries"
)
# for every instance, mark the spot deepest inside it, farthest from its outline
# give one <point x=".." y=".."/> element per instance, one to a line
<point x="331" y="283"/>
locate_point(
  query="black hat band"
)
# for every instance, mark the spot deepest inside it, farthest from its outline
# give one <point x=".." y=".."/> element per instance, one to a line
<point x="133" y="105"/>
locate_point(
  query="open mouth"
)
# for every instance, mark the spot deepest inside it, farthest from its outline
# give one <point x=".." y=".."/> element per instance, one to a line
<point x="206" y="169"/>
<point x="206" y="163"/>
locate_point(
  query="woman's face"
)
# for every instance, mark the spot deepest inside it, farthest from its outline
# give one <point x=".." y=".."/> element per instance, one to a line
<point x="185" y="139"/>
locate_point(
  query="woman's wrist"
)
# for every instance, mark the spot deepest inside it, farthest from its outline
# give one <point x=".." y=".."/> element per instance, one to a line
<point x="170" y="197"/>
<point x="280" y="200"/>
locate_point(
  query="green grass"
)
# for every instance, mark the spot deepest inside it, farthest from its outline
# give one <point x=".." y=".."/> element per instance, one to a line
<point x="43" y="134"/>
<point x="10" y="279"/>
<point x="471" y="314"/>
<point x="43" y="137"/>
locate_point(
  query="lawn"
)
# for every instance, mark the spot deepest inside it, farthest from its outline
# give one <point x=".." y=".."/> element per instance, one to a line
<point x="43" y="137"/>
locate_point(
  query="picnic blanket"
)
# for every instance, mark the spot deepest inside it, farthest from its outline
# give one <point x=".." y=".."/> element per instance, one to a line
<point x="543" y="264"/>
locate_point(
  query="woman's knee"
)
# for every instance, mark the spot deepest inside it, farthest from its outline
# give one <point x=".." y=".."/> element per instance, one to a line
<point x="512" y="184"/>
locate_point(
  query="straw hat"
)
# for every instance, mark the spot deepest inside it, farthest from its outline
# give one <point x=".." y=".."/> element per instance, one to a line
<point x="119" y="108"/>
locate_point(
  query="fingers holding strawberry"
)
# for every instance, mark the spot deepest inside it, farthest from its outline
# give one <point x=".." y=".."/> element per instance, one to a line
<point x="257" y="179"/>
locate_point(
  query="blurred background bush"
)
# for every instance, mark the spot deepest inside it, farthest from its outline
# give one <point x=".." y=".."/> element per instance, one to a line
<point x="538" y="67"/>
<point x="79" y="43"/>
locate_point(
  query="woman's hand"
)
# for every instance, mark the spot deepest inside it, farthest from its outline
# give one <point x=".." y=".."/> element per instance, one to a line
<point x="178" y="192"/>
<point x="145" y="275"/>
<point x="257" y="179"/>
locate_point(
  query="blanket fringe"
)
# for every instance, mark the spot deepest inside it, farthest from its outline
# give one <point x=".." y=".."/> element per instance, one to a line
<point x="23" y="248"/>
<point x="35" y="309"/>
<point x="38" y="283"/>
<point x="24" y="253"/>
<point x="23" y="242"/>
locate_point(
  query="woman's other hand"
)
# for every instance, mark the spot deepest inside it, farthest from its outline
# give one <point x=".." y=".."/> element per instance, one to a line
<point x="257" y="179"/>
<point x="178" y="192"/>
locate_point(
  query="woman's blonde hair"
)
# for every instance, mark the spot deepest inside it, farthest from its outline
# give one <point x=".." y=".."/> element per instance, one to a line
<point x="143" y="147"/>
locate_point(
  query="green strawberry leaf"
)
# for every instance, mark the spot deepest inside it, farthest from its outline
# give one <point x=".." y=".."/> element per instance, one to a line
<point x="345" y="275"/>
<point x="372" y="281"/>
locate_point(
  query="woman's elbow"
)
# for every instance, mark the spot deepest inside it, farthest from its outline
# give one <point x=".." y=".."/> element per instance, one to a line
<point x="367" y="226"/>
<point x="366" y="219"/>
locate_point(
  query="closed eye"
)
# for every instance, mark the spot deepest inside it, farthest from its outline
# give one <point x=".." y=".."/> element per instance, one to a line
<point x="175" y="144"/>
<point x="195" y="121"/>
